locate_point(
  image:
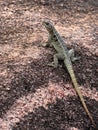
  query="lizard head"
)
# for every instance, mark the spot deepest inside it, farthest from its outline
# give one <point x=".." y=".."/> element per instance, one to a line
<point x="48" y="25"/>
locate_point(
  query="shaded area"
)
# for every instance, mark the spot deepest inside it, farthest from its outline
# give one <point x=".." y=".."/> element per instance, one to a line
<point x="63" y="115"/>
<point x="28" y="80"/>
<point x="37" y="74"/>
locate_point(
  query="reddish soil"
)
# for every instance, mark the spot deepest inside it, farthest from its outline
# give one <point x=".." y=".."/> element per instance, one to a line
<point x="34" y="96"/>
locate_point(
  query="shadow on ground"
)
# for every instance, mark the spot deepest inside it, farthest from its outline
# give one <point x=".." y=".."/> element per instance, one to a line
<point x="37" y="74"/>
<point x="63" y="115"/>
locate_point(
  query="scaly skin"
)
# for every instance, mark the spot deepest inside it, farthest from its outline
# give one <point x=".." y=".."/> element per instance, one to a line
<point x="63" y="53"/>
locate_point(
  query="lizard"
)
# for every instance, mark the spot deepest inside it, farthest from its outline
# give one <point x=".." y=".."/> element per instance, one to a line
<point x="67" y="56"/>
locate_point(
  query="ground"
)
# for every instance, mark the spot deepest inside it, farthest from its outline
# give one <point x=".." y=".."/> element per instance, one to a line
<point x="34" y="96"/>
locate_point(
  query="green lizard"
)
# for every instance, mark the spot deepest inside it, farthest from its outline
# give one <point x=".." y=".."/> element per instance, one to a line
<point x="67" y="56"/>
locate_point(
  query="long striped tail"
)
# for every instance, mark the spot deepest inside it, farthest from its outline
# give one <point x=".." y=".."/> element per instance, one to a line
<point x="72" y="75"/>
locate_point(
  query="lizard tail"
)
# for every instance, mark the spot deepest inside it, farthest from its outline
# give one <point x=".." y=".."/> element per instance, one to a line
<point x="72" y="75"/>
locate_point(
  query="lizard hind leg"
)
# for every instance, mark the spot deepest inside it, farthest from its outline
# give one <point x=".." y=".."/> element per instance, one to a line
<point x="72" y="55"/>
<point x="55" y="60"/>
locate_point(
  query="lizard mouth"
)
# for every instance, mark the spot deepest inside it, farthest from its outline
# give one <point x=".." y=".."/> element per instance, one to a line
<point x="44" y="24"/>
<point x="47" y="23"/>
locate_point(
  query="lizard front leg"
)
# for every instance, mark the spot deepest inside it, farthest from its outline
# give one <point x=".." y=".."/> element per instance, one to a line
<point x="71" y="55"/>
<point x="48" y="43"/>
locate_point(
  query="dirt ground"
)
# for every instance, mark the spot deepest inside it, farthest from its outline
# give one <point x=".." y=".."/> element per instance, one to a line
<point x="34" y="96"/>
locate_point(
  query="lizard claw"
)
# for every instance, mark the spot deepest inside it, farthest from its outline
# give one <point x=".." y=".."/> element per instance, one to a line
<point x="75" y="58"/>
<point x="52" y="65"/>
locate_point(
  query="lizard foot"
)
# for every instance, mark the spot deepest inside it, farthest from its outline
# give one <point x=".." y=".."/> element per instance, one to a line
<point x="75" y="58"/>
<point x="52" y="65"/>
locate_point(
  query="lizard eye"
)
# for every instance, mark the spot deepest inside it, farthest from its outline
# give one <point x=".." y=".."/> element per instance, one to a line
<point x="47" y="23"/>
